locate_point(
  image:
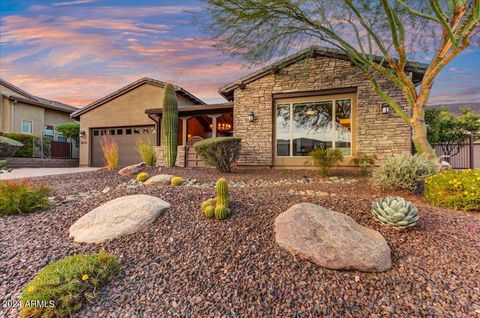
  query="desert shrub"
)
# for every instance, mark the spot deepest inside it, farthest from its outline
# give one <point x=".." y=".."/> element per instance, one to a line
<point x="29" y="142"/>
<point x="146" y="150"/>
<point x="459" y="190"/>
<point x="325" y="159"/>
<point x="22" y="196"/>
<point x="3" y="166"/>
<point x="110" y="153"/>
<point x="363" y="161"/>
<point x="63" y="286"/>
<point x="176" y="181"/>
<point x="142" y="177"/>
<point x="219" y="152"/>
<point x="403" y="171"/>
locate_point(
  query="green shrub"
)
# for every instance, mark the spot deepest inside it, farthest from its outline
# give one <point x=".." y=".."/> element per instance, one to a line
<point x="67" y="284"/>
<point x="363" y="161"/>
<point x="403" y="171"/>
<point x="3" y="166"/>
<point x="142" y="177"/>
<point x="176" y="181"/>
<point x="21" y="196"/>
<point x="459" y="190"/>
<point x="219" y="152"/>
<point x="146" y="150"/>
<point x="325" y="159"/>
<point x="29" y="142"/>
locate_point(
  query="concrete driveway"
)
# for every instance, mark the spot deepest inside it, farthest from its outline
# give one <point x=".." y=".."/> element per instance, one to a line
<point x="41" y="172"/>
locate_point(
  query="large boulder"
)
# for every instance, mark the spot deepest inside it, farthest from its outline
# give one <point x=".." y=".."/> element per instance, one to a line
<point x="117" y="217"/>
<point x="159" y="179"/>
<point x="8" y="147"/>
<point x="331" y="239"/>
<point x="132" y="170"/>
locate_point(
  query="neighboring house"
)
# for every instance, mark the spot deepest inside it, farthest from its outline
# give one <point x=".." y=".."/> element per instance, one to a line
<point x="23" y="112"/>
<point x="315" y="98"/>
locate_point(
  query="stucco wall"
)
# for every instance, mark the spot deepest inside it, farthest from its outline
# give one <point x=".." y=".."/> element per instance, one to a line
<point x="125" y="110"/>
<point x="375" y="133"/>
<point x="54" y="117"/>
<point x="34" y="114"/>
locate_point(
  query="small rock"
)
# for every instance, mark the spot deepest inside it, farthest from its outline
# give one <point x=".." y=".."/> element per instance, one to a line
<point x="106" y="190"/>
<point x="132" y="170"/>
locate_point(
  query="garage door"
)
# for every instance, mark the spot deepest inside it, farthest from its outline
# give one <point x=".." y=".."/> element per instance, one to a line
<point x="125" y="137"/>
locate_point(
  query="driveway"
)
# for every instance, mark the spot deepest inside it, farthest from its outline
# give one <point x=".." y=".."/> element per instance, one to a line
<point x="40" y="172"/>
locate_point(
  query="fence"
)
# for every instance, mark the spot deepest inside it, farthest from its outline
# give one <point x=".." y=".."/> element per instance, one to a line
<point x="467" y="157"/>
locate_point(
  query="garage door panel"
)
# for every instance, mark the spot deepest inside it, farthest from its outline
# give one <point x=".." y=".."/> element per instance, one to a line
<point x="125" y="137"/>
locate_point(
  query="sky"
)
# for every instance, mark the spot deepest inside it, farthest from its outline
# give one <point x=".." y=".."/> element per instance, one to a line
<point x="76" y="51"/>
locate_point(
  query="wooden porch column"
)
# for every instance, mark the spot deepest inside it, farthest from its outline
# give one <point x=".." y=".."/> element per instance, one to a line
<point x="184" y="129"/>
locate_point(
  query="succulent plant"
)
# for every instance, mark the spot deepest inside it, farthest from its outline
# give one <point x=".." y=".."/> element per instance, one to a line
<point x="176" y="181"/>
<point x="221" y="212"/>
<point x="222" y="192"/>
<point x="170" y="125"/>
<point x="209" y="211"/>
<point x="142" y="177"/>
<point x="207" y="203"/>
<point x="395" y="212"/>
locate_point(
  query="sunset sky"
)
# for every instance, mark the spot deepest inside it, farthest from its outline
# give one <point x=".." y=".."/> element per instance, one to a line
<point x="76" y="51"/>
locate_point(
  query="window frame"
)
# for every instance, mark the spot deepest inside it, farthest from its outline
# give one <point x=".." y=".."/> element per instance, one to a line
<point x="314" y="99"/>
<point x="31" y="126"/>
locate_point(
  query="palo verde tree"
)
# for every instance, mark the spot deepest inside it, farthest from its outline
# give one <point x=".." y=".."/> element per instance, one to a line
<point x="377" y="36"/>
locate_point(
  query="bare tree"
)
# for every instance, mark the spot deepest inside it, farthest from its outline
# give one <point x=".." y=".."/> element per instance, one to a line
<point x="377" y="36"/>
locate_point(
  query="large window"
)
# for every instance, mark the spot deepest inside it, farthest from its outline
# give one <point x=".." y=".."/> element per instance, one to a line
<point x="302" y="127"/>
<point x="27" y="127"/>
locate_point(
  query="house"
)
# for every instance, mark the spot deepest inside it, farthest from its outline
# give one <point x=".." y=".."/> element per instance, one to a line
<point x="315" y="98"/>
<point x="23" y="112"/>
<point x="121" y="116"/>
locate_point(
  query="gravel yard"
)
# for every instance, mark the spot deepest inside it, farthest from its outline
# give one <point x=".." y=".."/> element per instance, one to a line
<point x="185" y="265"/>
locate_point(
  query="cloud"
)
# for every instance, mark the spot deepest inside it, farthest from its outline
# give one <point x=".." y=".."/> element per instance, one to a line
<point x="68" y="3"/>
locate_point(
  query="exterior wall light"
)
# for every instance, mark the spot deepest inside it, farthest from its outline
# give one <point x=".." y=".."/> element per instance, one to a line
<point x="251" y="117"/>
<point x="82" y="134"/>
<point x="386" y="109"/>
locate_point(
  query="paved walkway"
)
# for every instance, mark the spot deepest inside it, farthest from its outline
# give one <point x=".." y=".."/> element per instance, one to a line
<point x="40" y="172"/>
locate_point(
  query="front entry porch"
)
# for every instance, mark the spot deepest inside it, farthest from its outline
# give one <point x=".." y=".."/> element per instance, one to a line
<point x="196" y="123"/>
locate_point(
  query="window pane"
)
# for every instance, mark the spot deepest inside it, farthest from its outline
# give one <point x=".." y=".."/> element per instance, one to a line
<point x="312" y="127"/>
<point x="343" y="126"/>
<point x="95" y="132"/>
<point x="283" y="130"/>
<point x="128" y="131"/>
<point x="26" y="126"/>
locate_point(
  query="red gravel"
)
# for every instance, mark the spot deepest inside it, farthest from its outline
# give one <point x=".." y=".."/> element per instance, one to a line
<point x="184" y="265"/>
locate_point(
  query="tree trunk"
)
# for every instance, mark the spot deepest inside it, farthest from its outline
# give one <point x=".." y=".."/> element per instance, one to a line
<point x="419" y="138"/>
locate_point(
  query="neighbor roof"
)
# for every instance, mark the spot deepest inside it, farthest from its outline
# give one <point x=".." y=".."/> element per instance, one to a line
<point x="418" y="69"/>
<point x="28" y="98"/>
<point x="134" y="85"/>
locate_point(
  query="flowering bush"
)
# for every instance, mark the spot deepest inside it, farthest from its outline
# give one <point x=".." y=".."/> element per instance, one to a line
<point x="62" y="286"/>
<point x="22" y="196"/>
<point x="459" y="190"/>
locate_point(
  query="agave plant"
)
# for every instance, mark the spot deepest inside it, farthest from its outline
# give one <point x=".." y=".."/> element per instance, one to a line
<point x="395" y="212"/>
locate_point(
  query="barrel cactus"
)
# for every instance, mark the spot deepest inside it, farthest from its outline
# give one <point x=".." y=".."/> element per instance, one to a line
<point x="395" y="212"/>
<point x="142" y="177"/>
<point x="208" y="203"/>
<point x="209" y="211"/>
<point x="170" y="125"/>
<point x="176" y="181"/>
<point x="221" y="212"/>
<point x="222" y="192"/>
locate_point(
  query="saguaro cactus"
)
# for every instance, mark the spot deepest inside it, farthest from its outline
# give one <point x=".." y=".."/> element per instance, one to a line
<point x="222" y="192"/>
<point x="170" y="126"/>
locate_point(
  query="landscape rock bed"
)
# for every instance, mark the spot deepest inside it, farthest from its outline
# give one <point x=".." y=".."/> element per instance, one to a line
<point x="184" y="265"/>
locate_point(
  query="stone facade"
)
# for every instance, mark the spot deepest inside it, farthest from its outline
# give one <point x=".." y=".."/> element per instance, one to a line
<point x="180" y="156"/>
<point x="375" y="133"/>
